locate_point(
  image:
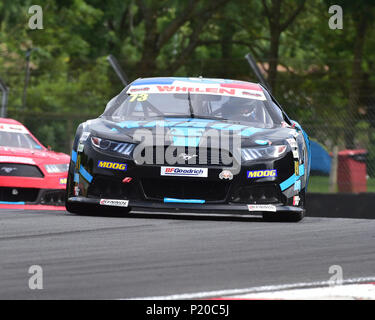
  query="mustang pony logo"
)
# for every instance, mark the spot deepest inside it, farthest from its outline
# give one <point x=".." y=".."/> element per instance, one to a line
<point x="186" y="156"/>
<point x="8" y="169"/>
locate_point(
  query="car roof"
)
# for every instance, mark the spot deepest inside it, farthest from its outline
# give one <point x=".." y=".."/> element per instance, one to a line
<point x="200" y="80"/>
<point x="10" y="121"/>
<point x="15" y="122"/>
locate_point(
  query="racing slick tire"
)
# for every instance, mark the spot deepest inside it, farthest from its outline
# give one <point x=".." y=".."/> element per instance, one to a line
<point x="287" y="216"/>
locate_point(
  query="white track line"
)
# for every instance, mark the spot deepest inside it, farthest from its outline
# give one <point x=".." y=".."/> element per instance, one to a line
<point x="342" y="292"/>
<point x="251" y="290"/>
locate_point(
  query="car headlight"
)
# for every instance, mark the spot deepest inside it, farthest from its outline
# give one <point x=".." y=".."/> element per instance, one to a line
<point x="263" y="152"/>
<point x="113" y="146"/>
<point x="57" y="168"/>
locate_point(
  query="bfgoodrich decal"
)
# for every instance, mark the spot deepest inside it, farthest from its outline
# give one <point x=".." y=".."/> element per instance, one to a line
<point x="184" y="172"/>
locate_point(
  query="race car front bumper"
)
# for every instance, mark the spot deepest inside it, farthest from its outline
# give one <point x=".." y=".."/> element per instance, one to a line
<point x="31" y="196"/>
<point x="228" y="209"/>
<point x="48" y="190"/>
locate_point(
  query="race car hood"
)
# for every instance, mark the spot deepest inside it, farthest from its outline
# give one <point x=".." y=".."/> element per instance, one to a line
<point x="187" y="131"/>
<point x="32" y="156"/>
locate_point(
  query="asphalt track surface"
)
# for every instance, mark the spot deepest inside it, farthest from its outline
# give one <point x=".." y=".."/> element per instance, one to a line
<point x="141" y="256"/>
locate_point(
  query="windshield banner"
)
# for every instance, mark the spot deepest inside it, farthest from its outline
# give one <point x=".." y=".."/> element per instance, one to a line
<point x="12" y="128"/>
<point x="197" y="88"/>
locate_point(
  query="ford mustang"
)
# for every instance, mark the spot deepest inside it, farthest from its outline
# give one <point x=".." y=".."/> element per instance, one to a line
<point x="199" y="145"/>
<point x="31" y="176"/>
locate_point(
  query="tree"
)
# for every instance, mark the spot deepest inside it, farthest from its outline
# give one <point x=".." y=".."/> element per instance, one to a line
<point x="157" y="34"/>
<point x="280" y="15"/>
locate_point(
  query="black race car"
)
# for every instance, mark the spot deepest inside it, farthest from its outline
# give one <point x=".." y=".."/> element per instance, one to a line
<point x="216" y="146"/>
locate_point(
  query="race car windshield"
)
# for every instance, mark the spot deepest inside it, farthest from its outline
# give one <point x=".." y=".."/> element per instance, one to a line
<point x="18" y="140"/>
<point x="155" y="105"/>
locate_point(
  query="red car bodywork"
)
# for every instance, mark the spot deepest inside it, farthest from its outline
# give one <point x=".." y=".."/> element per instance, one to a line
<point x="36" y="188"/>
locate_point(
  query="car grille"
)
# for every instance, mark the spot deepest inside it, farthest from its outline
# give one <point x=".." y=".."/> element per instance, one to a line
<point x="199" y="156"/>
<point x="159" y="189"/>
<point x="20" y="170"/>
<point x="105" y="187"/>
<point x="258" y="194"/>
<point x="53" y="197"/>
<point x="18" y="194"/>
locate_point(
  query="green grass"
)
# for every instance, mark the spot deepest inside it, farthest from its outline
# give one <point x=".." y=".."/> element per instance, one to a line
<point x="320" y="184"/>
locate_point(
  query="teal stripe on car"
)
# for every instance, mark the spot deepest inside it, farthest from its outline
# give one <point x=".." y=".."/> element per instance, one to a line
<point x="250" y="131"/>
<point x="74" y="156"/>
<point x="173" y="200"/>
<point x="192" y="137"/>
<point x="85" y="174"/>
<point x="292" y="180"/>
<point x="8" y="202"/>
<point x="188" y="137"/>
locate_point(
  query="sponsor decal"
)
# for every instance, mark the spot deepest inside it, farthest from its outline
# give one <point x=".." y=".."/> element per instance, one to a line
<point x="296" y="167"/>
<point x="261" y="207"/>
<point x="252" y="94"/>
<point x="13" y="128"/>
<point x="16" y="159"/>
<point x="76" y="191"/>
<point x="63" y="180"/>
<point x="84" y="136"/>
<point x="198" y="89"/>
<point x="112" y="165"/>
<point x="296" y="200"/>
<point x="114" y="202"/>
<point x="201" y="88"/>
<point x="292" y="142"/>
<point x="226" y="174"/>
<point x="127" y="180"/>
<point x="139" y="89"/>
<point x="294" y="146"/>
<point x="184" y="172"/>
<point x="297" y="185"/>
<point x="261" y="173"/>
<point x="80" y="147"/>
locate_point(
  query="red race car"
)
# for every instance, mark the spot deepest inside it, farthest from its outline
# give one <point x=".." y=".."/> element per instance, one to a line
<point x="31" y="176"/>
